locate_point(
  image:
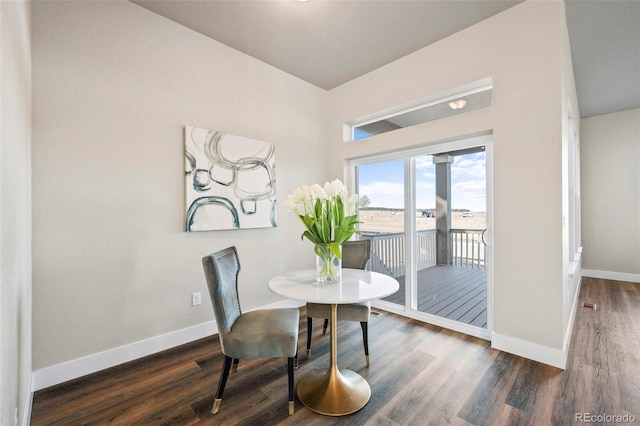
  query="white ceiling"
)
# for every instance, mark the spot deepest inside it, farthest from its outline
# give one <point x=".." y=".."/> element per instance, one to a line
<point x="605" y="49"/>
<point x="328" y="43"/>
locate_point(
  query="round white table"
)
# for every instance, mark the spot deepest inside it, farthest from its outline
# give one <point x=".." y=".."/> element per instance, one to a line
<point x="334" y="392"/>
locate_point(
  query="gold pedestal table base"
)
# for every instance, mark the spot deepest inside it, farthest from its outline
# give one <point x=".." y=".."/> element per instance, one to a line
<point x="333" y="392"/>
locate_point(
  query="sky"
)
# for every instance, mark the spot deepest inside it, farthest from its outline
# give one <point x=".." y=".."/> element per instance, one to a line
<point x="383" y="183"/>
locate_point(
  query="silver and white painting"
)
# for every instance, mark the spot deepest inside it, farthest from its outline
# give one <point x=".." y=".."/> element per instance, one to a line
<point x="230" y="181"/>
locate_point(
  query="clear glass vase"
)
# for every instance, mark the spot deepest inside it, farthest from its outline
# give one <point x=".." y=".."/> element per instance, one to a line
<point x="328" y="263"/>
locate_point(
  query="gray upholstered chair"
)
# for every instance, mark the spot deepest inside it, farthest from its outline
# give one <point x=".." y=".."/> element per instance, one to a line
<point x="355" y="255"/>
<point x="271" y="333"/>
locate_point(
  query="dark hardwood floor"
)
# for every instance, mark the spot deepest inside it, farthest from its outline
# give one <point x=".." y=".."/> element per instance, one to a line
<point x="419" y="374"/>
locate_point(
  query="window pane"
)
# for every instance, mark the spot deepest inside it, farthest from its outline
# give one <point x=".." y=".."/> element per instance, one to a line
<point x="383" y="220"/>
<point x="432" y="111"/>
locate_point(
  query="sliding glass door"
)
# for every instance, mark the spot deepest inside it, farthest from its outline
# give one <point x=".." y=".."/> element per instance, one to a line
<point x="428" y="222"/>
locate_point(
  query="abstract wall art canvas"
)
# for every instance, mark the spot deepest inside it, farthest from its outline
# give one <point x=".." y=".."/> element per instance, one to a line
<point x="230" y="181"/>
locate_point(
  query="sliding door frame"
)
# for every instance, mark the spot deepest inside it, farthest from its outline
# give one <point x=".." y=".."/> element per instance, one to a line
<point x="408" y="156"/>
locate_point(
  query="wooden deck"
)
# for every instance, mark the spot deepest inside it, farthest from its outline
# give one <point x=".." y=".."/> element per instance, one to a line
<point x="453" y="292"/>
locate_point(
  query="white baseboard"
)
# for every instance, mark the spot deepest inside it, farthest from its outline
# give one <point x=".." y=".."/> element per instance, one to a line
<point x="60" y="373"/>
<point x="69" y="370"/>
<point x="530" y="350"/>
<point x="572" y="317"/>
<point x="608" y="275"/>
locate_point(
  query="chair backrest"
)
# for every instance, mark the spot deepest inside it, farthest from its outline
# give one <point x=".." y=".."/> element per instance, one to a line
<point x="355" y="254"/>
<point x="221" y="270"/>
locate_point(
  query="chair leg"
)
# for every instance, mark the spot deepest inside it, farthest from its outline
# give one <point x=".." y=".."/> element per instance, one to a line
<point x="365" y="339"/>
<point x="309" y="332"/>
<point x="295" y="360"/>
<point x="224" y="374"/>
<point x="291" y="392"/>
<point x="234" y="367"/>
<point x="324" y="326"/>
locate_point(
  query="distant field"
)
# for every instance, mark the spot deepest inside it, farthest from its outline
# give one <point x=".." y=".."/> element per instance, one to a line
<point x="393" y="221"/>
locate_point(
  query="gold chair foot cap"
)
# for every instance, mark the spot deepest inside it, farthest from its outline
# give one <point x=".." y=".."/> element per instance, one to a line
<point x="291" y="408"/>
<point x="295" y="363"/>
<point x="216" y="405"/>
<point x="308" y="353"/>
<point x="234" y="369"/>
<point x="324" y="331"/>
<point x="366" y="357"/>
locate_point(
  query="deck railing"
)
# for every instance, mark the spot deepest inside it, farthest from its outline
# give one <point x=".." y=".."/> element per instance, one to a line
<point x="388" y="250"/>
<point x="467" y="247"/>
<point x="388" y="254"/>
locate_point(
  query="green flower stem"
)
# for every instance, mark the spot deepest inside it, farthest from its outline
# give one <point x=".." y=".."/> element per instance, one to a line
<point x="329" y="271"/>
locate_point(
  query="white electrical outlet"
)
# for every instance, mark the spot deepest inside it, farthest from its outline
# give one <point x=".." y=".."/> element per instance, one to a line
<point x="196" y="299"/>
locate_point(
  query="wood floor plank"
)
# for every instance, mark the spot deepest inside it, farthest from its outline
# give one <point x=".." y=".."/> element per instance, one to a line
<point x="524" y="391"/>
<point x="414" y="402"/>
<point x="491" y="390"/>
<point x="419" y="374"/>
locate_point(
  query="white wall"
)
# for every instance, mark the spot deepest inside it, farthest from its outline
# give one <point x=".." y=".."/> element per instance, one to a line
<point x="522" y="49"/>
<point x="113" y="86"/>
<point x="15" y="210"/>
<point x="610" y="150"/>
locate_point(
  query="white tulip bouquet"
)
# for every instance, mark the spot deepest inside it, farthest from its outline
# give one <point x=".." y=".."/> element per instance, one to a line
<point x="330" y="218"/>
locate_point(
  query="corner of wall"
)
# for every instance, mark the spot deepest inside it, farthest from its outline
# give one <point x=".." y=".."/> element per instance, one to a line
<point x="536" y="352"/>
<point x="15" y="205"/>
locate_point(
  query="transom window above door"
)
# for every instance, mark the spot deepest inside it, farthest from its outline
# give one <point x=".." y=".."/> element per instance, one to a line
<point x="457" y="101"/>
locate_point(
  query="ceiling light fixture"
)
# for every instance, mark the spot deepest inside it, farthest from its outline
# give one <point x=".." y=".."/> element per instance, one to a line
<point x="459" y="104"/>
